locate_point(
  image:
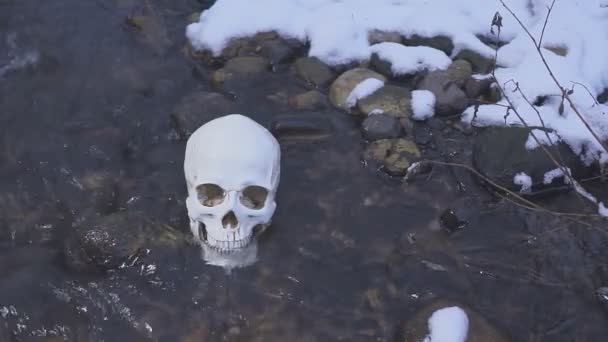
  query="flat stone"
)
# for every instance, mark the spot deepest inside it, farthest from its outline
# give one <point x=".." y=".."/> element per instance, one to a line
<point x="499" y="153"/>
<point x="389" y="99"/>
<point x="313" y="71"/>
<point x="342" y="87"/>
<point x="393" y="156"/>
<point x="307" y="126"/>
<point x="309" y="100"/>
<point x="381" y="126"/>
<point x="240" y="66"/>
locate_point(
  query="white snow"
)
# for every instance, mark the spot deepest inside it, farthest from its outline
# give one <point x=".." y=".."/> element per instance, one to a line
<point x="542" y="138"/>
<point x="337" y="32"/>
<point x="448" y="325"/>
<point x="362" y="90"/>
<point x="555" y="173"/>
<point x="423" y="104"/>
<point x="602" y="210"/>
<point x="524" y="180"/>
<point x="406" y="60"/>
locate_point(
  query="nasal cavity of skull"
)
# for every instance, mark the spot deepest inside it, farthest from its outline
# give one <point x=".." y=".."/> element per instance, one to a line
<point x="210" y="195"/>
<point x="254" y="197"/>
<point x="229" y="221"/>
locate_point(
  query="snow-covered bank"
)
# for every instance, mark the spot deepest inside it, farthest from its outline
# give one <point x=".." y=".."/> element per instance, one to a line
<point x="575" y="44"/>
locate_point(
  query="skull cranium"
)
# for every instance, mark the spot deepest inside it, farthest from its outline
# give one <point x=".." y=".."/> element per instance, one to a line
<point x="232" y="169"/>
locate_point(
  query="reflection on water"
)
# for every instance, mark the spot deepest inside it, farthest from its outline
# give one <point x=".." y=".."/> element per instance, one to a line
<point x="351" y="255"/>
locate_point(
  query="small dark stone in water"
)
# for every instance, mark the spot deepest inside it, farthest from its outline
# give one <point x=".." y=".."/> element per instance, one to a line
<point x="602" y="296"/>
<point x="450" y="221"/>
<point x="381" y="126"/>
<point x="313" y="71"/>
<point x="277" y="51"/>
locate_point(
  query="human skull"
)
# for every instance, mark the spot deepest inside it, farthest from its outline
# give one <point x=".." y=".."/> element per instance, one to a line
<point x="232" y="168"/>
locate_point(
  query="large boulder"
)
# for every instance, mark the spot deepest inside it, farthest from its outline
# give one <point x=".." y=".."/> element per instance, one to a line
<point x="342" y="87"/>
<point x="500" y="153"/>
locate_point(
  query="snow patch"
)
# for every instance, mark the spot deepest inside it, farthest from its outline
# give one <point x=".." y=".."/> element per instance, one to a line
<point x="524" y="180"/>
<point x="448" y="325"/>
<point x="407" y="60"/>
<point x="423" y="104"/>
<point x="602" y="210"/>
<point x="541" y="135"/>
<point x="363" y="90"/>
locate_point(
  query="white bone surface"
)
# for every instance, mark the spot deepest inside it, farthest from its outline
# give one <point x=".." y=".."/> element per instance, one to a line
<point x="232" y="152"/>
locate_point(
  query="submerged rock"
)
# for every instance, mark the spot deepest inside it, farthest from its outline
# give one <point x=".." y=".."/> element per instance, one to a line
<point x="301" y="126"/>
<point x="198" y="108"/>
<point x="449" y="98"/>
<point x="105" y="243"/>
<point x="389" y="99"/>
<point x="342" y="87"/>
<point x="394" y="156"/>
<point x="500" y="153"/>
<point x="381" y="126"/>
<point x="313" y="71"/>
<point x="239" y="67"/>
<point x="309" y="100"/>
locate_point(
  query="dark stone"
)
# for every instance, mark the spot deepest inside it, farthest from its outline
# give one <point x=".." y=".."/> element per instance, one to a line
<point x="198" y="108"/>
<point x="603" y="96"/>
<point x="381" y="126"/>
<point x="389" y="99"/>
<point x="442" y="43"/>
<point x="480" y="64"/>
<point x="460" y="71"/>
<point x="499" y="153"/>
<point x="423" y="135"/>
<point x="278" y="51"/>
<point x="449" y="98"/>
<point x="451" y="222"/>
<point x="309" y="100"/>
<point x="313" y="71"/>
<point x="104" y="243"/>
<point x="301" y="126"/>
<point x="475" y="88"/>
<point x="381" y="66"/>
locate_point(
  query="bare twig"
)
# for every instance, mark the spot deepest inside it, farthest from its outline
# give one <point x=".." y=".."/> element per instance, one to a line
<point x="542" y="34"/>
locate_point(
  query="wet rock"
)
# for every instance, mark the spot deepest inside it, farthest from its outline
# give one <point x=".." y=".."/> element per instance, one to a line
<point x="279" y="51"/>
<point x="382" y="66"/>
<point x="307" y="126"/>
<point x="499" y="153"/>
<point x="345" y="83"/>
<point x="379" y="36"/>
<point x="198" y="108"/>
<point x="381" y="126"/>
<point x="101" y="188"/>
<point x="449" y="98"/>
<point x="239" y="67"/>
<point x="393" y="156"/>
<point x="442" y="43"/>
<point x="309" y="100"/>
<point x="477" y="88"/>
<point x="104" y="243"/>
<point x="247" y="46"/>
<point x="450" y="221"/>
<point x="480" y="64"/>
<point x="460" y="71"/>
<point x="313" y="71"/>
<point x="480" y="330"/>
<point x="389" y="99"/>
<point x="423" y="135"/>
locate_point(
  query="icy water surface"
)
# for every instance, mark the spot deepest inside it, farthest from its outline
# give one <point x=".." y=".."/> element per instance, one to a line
<point x="351" y="255"/>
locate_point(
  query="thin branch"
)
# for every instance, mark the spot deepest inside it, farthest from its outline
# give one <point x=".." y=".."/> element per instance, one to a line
<point x="542" y="34"/>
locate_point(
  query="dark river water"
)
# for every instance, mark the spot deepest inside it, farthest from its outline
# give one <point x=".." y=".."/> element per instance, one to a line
<point x="352" y="255"/>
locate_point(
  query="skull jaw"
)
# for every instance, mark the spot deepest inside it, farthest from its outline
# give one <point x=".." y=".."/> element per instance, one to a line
<point x="223" y="246"/>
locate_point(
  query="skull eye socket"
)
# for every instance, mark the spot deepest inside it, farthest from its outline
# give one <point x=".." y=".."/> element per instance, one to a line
<point x="210" y="195"/>
<point x="254" y="197"/>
